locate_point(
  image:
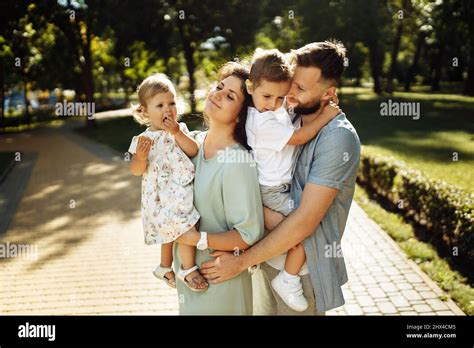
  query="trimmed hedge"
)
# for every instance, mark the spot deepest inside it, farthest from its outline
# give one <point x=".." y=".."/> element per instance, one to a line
<point x="444" y="210"/>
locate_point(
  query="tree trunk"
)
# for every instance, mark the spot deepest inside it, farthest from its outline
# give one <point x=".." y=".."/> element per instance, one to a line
<point x="87" y="77"/>
<point x="375" y="59"/>
<point x="2" y="86"/>
<point x="437" y="69"/>
<point x="395" y="48"/>
<point x="25" y="92"/>
<point x="189" y="56"/>
<point x="189" y="53"/>
<point x="80" y="44"/>
<point x="126" y="86"/>
<point x="411" y="71"/>
<point x="469" y="85"/>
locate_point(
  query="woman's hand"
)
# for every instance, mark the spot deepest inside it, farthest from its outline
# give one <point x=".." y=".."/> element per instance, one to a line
<point x="225" y="266"/>
<point x="143" y="147"/>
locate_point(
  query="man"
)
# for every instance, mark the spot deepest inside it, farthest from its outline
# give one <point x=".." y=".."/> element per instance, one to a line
<point x="322" y="190"/>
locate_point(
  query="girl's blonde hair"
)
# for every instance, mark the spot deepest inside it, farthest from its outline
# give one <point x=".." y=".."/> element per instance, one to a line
<point x="152" y="85"/>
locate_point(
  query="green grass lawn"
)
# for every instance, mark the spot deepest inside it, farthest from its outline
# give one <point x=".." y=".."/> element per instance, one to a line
<point x="446" y="125"/>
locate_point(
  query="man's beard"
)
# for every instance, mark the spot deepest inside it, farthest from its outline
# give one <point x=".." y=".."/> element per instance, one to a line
<point x="310" y="109"/>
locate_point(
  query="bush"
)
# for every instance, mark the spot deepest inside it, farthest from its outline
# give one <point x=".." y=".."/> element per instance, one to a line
<point x="446" y="211"/>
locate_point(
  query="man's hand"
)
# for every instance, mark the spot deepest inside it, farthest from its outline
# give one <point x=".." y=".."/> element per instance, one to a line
<point x="225" y="266"/>
<point x="143" y="147"/>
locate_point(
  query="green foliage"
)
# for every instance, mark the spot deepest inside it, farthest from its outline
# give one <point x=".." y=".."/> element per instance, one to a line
<point x="445" y="129"/>
<point x="189" y="40"/>
<point x="142" y="63"/>
<point x="283" y="32"/>
<point x="444" y="210"/>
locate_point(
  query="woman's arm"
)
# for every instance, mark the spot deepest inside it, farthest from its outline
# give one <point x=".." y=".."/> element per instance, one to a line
<point x="229" y="240"/>
<point x="225" y="241"/>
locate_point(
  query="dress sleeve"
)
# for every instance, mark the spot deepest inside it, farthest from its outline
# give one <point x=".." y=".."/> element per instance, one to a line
<point x="242" y="201"/>
<point x="133" y="145"/>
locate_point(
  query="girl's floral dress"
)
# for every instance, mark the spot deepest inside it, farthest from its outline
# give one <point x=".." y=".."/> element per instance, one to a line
<point x="167" y="208"/>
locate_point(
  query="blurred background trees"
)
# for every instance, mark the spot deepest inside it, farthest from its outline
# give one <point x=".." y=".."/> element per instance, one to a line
<point x="99" y="51"/>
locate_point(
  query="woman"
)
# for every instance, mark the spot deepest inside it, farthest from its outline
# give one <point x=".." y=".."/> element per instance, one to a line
<point x="226" y="194"/>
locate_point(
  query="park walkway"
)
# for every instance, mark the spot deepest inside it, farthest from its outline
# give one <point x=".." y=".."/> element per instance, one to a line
<point x="80" y="208"/>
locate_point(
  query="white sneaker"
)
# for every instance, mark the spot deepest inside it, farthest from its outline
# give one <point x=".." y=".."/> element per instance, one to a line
<point x="291" y="292"/>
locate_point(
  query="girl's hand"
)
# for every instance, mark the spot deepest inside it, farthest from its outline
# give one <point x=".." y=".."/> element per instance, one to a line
<point x="143" y="147"/>
<point x="170" y="125"/>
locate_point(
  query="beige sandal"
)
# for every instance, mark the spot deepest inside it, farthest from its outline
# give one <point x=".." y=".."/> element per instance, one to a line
<point x="160" y="273"/>
<point x="182" y="274"/>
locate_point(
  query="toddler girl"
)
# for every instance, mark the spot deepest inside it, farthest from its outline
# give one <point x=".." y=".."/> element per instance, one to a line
<point x="160" y="155"/>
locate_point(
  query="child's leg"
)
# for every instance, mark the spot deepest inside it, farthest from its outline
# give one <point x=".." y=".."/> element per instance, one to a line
<point x="295" y="260"/>
<point x="187" y="255"/>
<point x="287" y="284"/>
<point x="166" y="254"/>
<point x="166" y="262"/>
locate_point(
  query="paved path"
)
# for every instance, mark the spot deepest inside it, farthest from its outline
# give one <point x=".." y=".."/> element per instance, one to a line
<point x="79" y="213"/>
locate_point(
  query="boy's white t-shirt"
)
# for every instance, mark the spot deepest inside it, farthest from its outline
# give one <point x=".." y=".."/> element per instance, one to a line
<point x="268" y="134"/>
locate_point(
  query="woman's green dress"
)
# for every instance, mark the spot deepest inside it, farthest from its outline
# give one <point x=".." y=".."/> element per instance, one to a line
<point x="227" y="195"/>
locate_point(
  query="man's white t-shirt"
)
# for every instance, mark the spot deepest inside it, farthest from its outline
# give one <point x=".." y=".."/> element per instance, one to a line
<point x="268" y="134"/>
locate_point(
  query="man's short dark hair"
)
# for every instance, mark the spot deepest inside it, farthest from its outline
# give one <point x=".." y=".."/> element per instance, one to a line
<point x="328" y="56"/>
